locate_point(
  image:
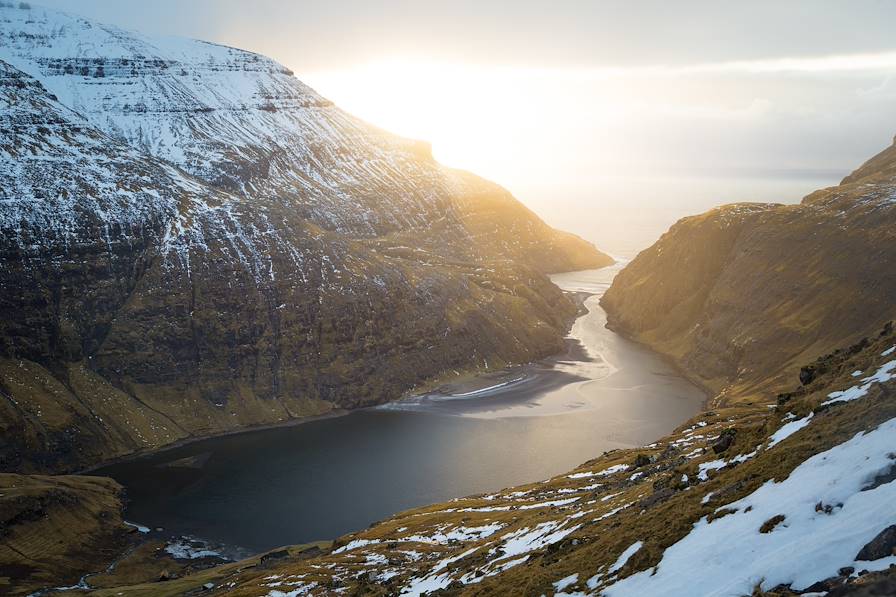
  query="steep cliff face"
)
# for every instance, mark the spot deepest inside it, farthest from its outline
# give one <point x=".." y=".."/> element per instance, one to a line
<point x="244" y="124"/>
<point x="745" y="294"/>
<point x="178" y="258"/>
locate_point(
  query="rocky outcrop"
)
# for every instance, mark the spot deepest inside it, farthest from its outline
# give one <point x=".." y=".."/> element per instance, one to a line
<point x="742" y="295"/>
<point x="882" y="546"/>
<point x="192" y="241"/>
<point x="53" y="530"/>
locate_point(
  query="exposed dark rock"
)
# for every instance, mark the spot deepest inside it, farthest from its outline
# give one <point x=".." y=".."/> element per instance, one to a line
<point x="273" y="557"/>
<point x="308" y="553"/>
<point x="874" y="584"/>
<point x="883" y="478"/>
<point x="726" y="438"/>
<point x="641" y="460"/>
<point x="769" y="525"/>
<point x="807" y="374"/>
<point x="882" y="546"/>
<point x="785" y="397"/>
<point x="657" y="497"/>
<point x="720" y="513"/>
<point x="826" y="508"/>
<point x="823" y="586"/>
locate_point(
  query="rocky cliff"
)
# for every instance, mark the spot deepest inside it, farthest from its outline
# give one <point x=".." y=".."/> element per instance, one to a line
<point x="770" y="493"/>
<point x="743" y="295"/>
<point x="192" y="241"/>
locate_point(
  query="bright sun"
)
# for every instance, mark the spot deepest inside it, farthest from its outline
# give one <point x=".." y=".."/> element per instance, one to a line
<point x="491" y="120"/>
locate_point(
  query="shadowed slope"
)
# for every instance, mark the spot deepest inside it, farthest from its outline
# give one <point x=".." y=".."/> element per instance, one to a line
<point x="142" y="306"/>
<point x="744" y="294"/>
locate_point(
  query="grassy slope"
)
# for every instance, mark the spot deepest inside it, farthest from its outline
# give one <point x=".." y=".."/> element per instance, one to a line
<point x="743" y="295"/>
<point x="54" y="529"/>
<point x="645" y="498"/>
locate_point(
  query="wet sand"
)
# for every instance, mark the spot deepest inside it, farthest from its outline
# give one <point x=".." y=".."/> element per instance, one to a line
<point x="597" y="370"/>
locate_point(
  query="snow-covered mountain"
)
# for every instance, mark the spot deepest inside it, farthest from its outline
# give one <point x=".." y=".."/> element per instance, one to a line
<point x="245" y="124"/>
<point x="191" y="240"/>
<point x="231" y="117"/>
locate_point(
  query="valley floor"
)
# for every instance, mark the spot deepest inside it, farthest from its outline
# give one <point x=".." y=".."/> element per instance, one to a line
<point x="783" y="496"/>
<point x="562" y="384"/>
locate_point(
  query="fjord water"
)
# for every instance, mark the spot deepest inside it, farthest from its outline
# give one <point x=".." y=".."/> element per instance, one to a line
<point x="262" y="489"/>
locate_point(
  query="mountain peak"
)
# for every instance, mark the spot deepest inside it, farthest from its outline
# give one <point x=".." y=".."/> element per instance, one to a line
<point x="187" y="226"/>
<point x="880" y="167"/>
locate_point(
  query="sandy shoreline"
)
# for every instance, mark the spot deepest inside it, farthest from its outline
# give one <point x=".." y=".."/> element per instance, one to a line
<point x="472" y="383"/>
<point x="486" y="383"/>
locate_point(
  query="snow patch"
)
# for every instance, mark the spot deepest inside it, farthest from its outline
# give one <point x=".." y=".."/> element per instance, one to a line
<point x="730" y="556"/>
<point x="882" y="375"/>
<point x="789" y="429"/>
<point x="617" y="468"/>
<point x="565" y="582"/>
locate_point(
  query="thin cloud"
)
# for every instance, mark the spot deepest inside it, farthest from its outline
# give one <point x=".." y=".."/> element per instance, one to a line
<point x="881" y="62"/>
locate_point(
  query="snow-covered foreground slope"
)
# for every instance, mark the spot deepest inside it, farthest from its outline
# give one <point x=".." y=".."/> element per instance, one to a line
<point x="194" y="241"/>
<point x="807" y="545"/>
<point x="739" y="501"/>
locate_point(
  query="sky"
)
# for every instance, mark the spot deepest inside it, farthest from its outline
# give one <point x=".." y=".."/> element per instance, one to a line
<point x="610" y="119"/>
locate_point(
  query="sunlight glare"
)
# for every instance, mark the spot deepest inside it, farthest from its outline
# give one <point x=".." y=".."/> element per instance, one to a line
<point x="490" y="120"/>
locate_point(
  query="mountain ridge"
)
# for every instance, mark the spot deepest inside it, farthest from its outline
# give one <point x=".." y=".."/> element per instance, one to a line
<point x="747" y="289"/>
<point x="245" y="124"/>
<point x="155" y="301"/>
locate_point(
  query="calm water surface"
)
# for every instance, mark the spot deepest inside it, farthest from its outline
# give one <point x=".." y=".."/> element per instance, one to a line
<point x="259" y="490"/>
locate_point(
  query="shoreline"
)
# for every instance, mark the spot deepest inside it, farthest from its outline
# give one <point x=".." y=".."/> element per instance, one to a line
<point x="476" y="385"/>
<point x="480" y="374"/>
<point x="487" y="382"/>
<point x="334" y="414"/>
<point x="668" y="359"/>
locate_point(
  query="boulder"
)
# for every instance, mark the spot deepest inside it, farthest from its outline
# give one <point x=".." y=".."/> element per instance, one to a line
<point x="882" y="546"/>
